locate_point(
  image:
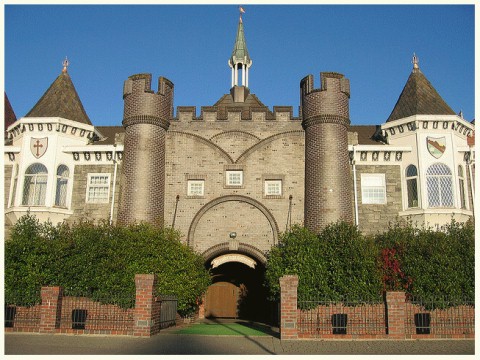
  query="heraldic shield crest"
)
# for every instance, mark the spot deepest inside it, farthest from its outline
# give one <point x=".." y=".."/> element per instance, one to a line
<point x="436" y="146"/>
<point x="38" y="147"/>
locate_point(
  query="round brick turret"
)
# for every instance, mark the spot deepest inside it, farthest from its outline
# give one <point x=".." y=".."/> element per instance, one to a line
<point x="325" y="119"/>
<point x="146" y="119"/>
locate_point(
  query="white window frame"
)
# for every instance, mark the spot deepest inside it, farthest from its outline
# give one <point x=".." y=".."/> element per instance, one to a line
<point x="277" y="183"/>
<point x="191" y="184"/>
<point x="105" y="200"/>
<point x="374" y="189"/>
<point x="228" y="180"/>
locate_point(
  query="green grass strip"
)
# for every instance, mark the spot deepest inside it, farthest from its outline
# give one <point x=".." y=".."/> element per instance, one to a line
<point x="225" y="329"/>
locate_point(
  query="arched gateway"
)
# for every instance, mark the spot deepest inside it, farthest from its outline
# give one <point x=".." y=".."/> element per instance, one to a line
<point x="233" y="234"/>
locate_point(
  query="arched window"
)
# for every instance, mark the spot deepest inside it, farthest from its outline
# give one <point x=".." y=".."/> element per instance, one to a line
<point x="35" y="185"/>
<point x="439" y="186"/>
<point x="461" y="187"/>
<point x="411" y="175"/>
<point x="61" y="189"/>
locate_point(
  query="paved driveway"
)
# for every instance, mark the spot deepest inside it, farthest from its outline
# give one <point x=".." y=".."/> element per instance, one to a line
<point x="176" y="344"/>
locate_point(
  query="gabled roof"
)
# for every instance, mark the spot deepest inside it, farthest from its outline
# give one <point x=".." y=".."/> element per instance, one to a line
<point x="419" y="97"/>
<point x="61" y="100"/>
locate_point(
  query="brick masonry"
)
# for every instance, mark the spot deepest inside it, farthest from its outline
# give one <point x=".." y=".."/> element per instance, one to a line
<point x="325" y="114"/>
<point x="392" y="319"/>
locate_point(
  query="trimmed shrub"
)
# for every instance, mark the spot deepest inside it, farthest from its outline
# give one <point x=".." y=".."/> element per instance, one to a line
<point x="430" y="264"/>
<point x="100" y="261"/>
<point x="336" y="264"/>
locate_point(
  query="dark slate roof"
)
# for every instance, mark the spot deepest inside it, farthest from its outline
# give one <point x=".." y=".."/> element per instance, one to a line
<point x="9" y="114"/>
<point x="226" y="103"/>
<point x="365" y="134"/>
<point x="108" y="134"/>
<point x="419" y="97"/>
<point x="61" y="100"/>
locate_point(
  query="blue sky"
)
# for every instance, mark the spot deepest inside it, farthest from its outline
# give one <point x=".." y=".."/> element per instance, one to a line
<point x="372" y="45"/>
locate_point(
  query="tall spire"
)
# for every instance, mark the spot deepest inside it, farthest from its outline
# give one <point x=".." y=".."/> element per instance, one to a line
<point x="240" y="59"/>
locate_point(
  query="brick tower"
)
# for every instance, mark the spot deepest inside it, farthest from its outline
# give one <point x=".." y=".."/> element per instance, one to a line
<point x="325" y="119"/>
<point x="146" y="118"/>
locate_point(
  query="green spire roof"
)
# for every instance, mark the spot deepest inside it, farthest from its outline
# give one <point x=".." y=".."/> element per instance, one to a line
<point x="419" y="97"/>
<point x="240" y="52"/>
<point x="61" y="100"/>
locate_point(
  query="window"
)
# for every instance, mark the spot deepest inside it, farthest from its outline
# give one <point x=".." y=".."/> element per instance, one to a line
<point x="461" y="187"/>
<point x="35" y="185"/>
<point x="234" y="178"/>
<point x="195" y="187"/>
<point x="373" y="189"/>
<point x="411" y="175"/>
<point x="61" y="189"/>
<point x="439" y="186"/>
<point x="273" y="187"/>
<point x="14" y="187"/>
<point x="98" y="188"/>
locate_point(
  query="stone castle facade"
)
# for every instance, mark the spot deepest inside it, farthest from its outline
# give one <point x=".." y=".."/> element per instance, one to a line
<point x="234" y="177"/>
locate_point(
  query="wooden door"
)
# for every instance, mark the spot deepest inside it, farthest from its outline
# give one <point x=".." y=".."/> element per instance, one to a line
<point x="221" y="300"/>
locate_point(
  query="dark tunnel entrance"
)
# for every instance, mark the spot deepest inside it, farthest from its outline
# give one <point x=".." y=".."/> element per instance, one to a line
<point x="237" y="292"/>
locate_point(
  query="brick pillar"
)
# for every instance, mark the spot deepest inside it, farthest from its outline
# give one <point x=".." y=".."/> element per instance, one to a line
<point x="288" y="307"/>
<point x="51" y="308"/>
<point x="144" y="301"/>
<point x="396" y="314"/>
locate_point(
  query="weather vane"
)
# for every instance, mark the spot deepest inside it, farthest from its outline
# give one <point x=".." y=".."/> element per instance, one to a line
<point x="242" y="11"/>
<point x="65" y="64"/>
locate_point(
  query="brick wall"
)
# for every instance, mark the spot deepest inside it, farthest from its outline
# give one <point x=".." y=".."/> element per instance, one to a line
<point x="55" y="314"/>
<point x="205" y="150"/>
<point x="392" y="319"/>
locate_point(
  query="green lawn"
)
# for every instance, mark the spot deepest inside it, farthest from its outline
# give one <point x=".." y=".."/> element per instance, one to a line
<point x="238" y="329"/>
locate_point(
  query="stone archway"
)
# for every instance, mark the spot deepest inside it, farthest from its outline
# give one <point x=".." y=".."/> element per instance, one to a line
<point x="240" y="211"/>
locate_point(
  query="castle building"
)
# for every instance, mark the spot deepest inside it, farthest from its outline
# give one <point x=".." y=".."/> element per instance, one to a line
<point x="236" y="176"/>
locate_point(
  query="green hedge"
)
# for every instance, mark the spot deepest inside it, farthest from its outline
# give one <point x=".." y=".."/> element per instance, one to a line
<point x="100" y="261"/>
<point x="337" y="263"/>
<point x="341" y="262"/>
<point x="430" y="264"/>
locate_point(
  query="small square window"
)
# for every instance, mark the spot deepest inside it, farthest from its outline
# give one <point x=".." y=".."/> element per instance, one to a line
<point x="98" y="188"/>
<point x="273" y="187"/>
<point x="373" y="189"/>
<point x="195" y="187"/>
<point x="234" y="178"/>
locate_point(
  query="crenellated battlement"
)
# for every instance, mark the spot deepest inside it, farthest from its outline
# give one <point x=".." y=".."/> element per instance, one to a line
<point x="234" y="113"/>
<point x="143" y="105"/>
<point x="329" y="103"/>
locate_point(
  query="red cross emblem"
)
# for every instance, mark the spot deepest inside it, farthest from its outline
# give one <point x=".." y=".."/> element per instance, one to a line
<point x="38" y="146"/>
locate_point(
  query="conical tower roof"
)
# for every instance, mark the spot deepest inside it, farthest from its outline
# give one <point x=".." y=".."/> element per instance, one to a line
<point x="419" y="97"/>
<point x="240" y="52"/>
<point x="9" y="114"/>
<point x="61" y="100"/>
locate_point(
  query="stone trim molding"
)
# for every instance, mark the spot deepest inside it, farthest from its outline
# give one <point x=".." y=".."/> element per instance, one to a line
<point x="145" y="119"/>
<point x="204" y="141"/>
<point x="265" y="141"/>
<point x="328" y="119"/>
<point x="224" y="248"/>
